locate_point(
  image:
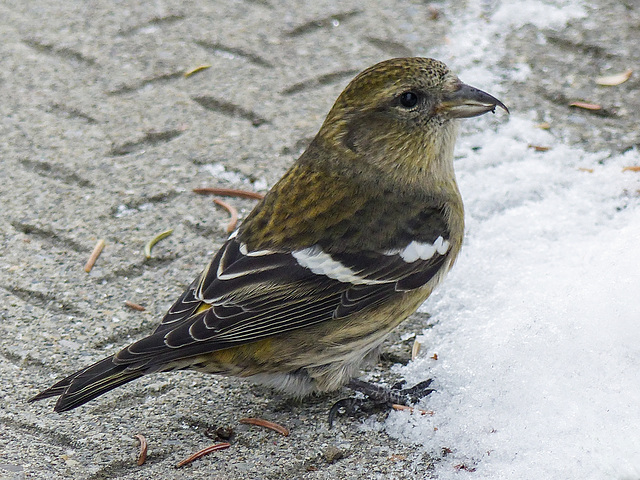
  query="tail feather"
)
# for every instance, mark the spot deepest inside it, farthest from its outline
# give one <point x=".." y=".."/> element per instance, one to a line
<point x="88" y="383"/>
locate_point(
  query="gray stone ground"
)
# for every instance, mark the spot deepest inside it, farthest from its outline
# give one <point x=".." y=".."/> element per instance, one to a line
<point x="103" y="137"/>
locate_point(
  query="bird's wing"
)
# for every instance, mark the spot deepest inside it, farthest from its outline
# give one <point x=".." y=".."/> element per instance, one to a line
<point x="243" y="296"/>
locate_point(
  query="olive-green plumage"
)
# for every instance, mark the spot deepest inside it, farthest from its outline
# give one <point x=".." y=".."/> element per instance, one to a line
<point x="349" y="242"/>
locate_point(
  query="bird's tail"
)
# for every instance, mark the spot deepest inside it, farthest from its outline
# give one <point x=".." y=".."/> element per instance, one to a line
<point x="88" y="383"/>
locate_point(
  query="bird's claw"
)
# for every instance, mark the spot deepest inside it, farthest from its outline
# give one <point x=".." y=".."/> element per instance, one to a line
<point x="349" y="405"/>
<point x="418" y="391"/>
<point x="378" y="397"/>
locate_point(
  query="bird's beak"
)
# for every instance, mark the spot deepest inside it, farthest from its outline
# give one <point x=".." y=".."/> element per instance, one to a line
<point x="468" y="101"/>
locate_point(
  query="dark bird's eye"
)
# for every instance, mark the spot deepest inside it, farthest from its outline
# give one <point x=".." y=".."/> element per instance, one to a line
<point x="408" y="99"/>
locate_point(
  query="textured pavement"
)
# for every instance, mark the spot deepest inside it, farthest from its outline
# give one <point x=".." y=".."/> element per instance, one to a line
<point x="103" y="137"/>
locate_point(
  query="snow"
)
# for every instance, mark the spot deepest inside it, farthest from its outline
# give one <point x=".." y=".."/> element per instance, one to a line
<point x="536" y="328"/>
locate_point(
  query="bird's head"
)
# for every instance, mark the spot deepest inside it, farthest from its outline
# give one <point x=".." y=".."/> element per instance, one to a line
<point x="402" y="113"/>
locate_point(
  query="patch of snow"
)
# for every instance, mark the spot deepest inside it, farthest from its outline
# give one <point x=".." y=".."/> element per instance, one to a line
<point x="537" y="327"/>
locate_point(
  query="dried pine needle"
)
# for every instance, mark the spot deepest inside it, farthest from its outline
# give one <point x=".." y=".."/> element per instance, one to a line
<point x="97" y="250"/>
<point x="142" y="456"/>
<point x="395" y="406"/>
<point x="586" y="106"/>
<point x="134" y="306"/>
<point x="267" y="424"/>
<point x="203" y="452"/>
<point x="233" y="221"/>
<point x="539" y="148"/>
<point x="228" y="192"/>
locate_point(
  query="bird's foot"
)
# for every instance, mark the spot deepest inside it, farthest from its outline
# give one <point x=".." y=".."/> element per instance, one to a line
<point x="378" y="397"/>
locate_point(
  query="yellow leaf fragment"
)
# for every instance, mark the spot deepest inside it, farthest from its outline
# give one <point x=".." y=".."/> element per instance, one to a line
<point x="415" y="350"/>
<point x="154" y="240"/>
<point x="615" y="79"/>
<point x="195" y="70"/>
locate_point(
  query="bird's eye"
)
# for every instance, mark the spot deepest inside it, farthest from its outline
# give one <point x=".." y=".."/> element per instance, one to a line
<point x="408" y="99"/>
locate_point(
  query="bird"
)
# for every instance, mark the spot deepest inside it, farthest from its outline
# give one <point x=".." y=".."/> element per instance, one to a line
<point x="345" y="246"/>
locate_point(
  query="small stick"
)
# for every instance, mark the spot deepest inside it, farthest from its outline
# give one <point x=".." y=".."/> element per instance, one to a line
<point x="267" y="424"/>
<point x="97" y="250"/>
<point x="154" y="240"/>
<point x="134" y="306"/>
<point x="142" y="456"/>
<point x="203" y="452"/>
<point x="228" y="192"/>
<point x="233" y="221"/>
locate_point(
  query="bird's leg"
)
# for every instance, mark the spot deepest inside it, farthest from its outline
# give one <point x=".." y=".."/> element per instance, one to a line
<point x="394" y="394"/>
<point x="378" y="396"/>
